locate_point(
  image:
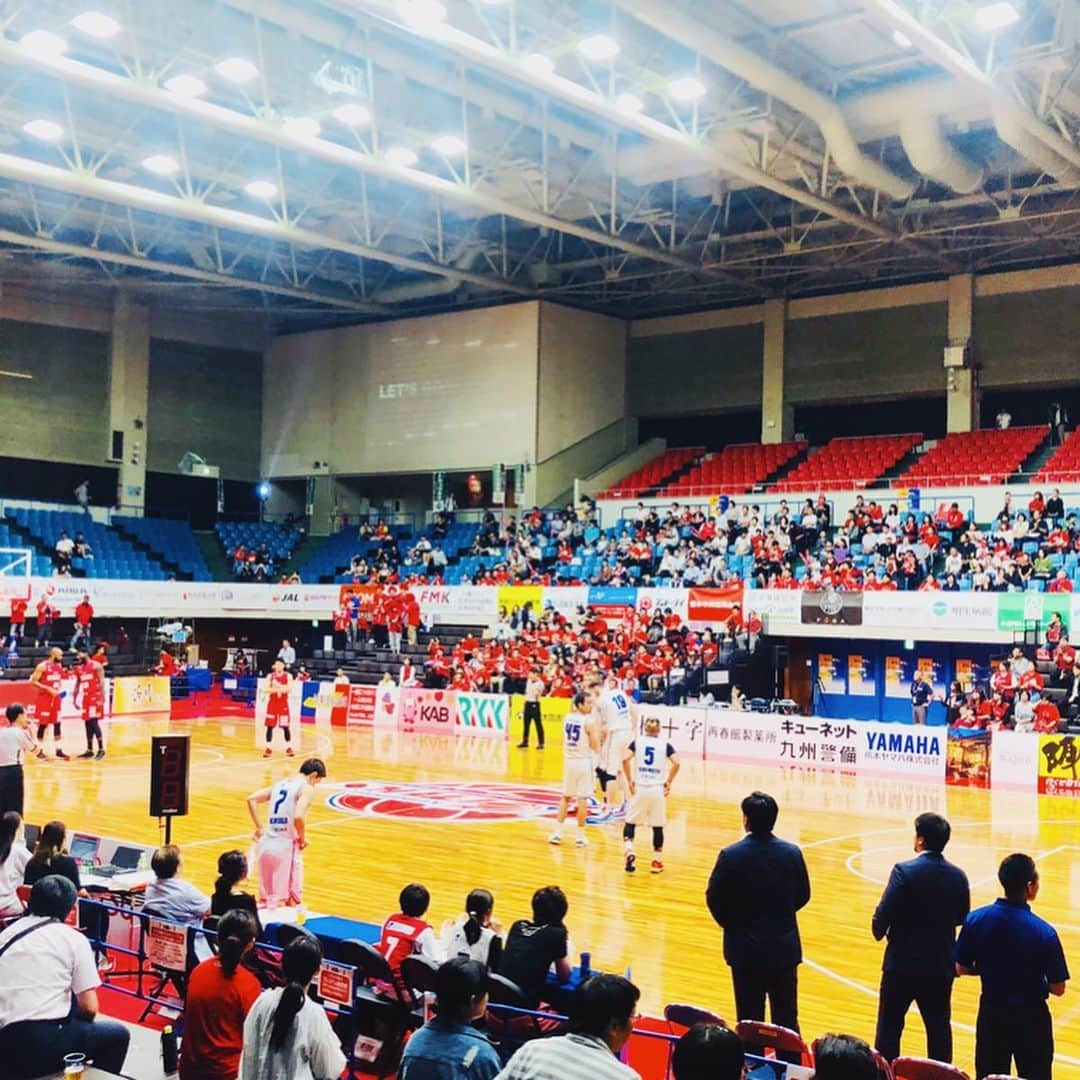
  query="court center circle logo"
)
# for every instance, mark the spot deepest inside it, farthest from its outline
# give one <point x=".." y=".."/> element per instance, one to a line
<point x="458" y="802"/>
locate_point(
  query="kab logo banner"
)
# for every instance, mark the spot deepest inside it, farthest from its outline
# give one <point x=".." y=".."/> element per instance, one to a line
<point x="430" y="712"/>
<point x="486" y="715"/>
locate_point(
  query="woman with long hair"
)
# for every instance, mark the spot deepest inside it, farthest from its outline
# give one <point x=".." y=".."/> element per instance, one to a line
<point x="477" y="936"/>
<point x="286" y="1035"/>
<point x="13" y="860"/>
<point x="50" y="856"/>
<point x="220" y="994"/>
<point x="228" y="896"/>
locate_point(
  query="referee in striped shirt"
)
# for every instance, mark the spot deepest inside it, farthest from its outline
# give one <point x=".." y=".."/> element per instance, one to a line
<point x="601" y="1020"/>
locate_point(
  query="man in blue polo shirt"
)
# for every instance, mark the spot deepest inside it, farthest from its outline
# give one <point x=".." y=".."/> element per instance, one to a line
<point x="1019" y="958"/>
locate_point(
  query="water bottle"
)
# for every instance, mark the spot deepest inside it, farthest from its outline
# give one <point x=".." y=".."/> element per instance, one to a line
<point x="586" y="968"/>
<point x="169" y="1055"/>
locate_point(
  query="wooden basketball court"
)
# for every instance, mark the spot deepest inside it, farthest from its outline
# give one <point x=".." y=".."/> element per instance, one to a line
<point x="413" y="827"/>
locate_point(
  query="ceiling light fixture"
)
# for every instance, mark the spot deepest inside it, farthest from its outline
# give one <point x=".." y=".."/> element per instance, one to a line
<point x="189" y="86"/>
<point x="629" y="103"/>
<point x="423" y="14"/>
<point x="449" y="145"/>
<point x="686" y="88"/>
<point x="538" y="64"/>
<point x="237" y="70"/>
<point x="996" y="16"/>
<point x="45" y="130"/>
<point x="261" y="189"/>
<point x="43" y="43"/>
<point x="302" y="127"/>
<point x="598" y="47"/>
<point x="96" y="24"/>
<point x="161" y="164"/>
<point x="353" y="114"/>
<point x="401" y="156"/>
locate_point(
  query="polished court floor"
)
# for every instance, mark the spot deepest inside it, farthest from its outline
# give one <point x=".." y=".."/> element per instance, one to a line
<point x="466" y="813"/>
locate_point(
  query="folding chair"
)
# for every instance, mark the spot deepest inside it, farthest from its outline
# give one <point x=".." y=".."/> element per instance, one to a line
<point x="759" y="1037"/>
<point x="418" y="973"/>
<point x="912" y="1068"/>
<point x="509" y="1030"/>
<point x="684" y="1017"/>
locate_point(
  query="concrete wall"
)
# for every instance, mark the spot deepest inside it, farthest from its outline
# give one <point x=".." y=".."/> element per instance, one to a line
<point x="1025" y="339"/>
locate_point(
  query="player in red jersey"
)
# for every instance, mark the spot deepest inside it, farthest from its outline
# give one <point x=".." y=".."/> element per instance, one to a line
<point x="90" y="698"/>
<point x="48" y="677"/>
<point x="277" y="708"/>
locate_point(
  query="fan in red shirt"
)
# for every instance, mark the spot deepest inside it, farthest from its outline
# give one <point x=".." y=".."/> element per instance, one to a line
<point x="18" y="616"/>
<point x="931" y="584"/>
<point x="1060" y="583"/>
<point x="1002" y="681"/>
<point x="1047" y="717"/>
<point x="166" y="664"/>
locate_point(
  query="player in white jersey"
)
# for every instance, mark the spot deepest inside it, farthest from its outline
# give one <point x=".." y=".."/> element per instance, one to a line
<point x="581" y="739"/>
<point x="279" y="843"/>
<point x="617" y="713"/>
<point x="654" y="765"/>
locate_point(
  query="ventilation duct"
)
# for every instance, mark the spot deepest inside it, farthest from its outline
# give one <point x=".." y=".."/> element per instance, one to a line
<point x="1011" y="130"/>
<point x="765" y="76"/>
<point x="423" y="290"/>
<point x="930" y="152"/>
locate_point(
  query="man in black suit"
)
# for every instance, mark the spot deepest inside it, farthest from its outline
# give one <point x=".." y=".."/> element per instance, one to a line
<point x="926" y="899"/>
<point x="756" y="887"/>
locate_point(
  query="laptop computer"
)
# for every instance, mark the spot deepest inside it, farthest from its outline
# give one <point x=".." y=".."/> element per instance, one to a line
<point x="84" y="848"/>
<point x="31" y="832"/>
<point x="123" y="861"/>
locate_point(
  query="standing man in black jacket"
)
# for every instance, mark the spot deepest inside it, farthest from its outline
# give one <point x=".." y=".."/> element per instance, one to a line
<point x="926" y="899"/>
<point x="755" y="890"/>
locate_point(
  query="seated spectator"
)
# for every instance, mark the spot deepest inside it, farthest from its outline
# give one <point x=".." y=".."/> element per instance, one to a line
<point x="65" y="548"/>
<point x="220" y="994"/>
<point x="1060" y="583"/>
<point x="449" y="1047"/>
<point x="532" y="947"/>
<point x="843" y="1057"/>
<point x="406" y="933"/>
<point x="13" y="859"/>
<point x="1047" y="717"/>
<point x="50" y="857"/>
<point x="48" y="991"/>
<point x="708" y="1052"/>
<point x="1055" y="508"/>
<point x="228" y="896"/>
<point x="1024" y="712"/>
<point x="478" y="935"/>
<point x="286" y="1034"/>
<point x="601" y="1021"/>
<point x="170" y="897"/>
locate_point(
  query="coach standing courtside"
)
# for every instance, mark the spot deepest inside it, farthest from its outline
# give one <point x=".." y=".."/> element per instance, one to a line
<point x="755" y="890"/>
<point x="926" y="899"/>
<point x="1019" y="958"/>
<point x="15" y="741"/>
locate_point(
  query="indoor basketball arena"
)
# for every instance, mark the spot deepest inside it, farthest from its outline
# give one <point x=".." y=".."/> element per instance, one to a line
<point x="539" y="540"/>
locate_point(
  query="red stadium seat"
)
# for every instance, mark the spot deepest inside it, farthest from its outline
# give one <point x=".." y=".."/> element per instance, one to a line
<point x="779" y="1040"/>
<point x="911" y="1068"/>
<point x="975" y="458"/>
<point x="681" y="1017"/>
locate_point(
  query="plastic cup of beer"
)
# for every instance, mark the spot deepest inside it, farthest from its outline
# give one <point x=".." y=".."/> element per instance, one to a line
<point x="74" y="1066"/>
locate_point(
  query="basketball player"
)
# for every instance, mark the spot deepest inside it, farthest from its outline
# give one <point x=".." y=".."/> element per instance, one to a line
<point x="618" y="716"/>
<point x="90" y="697"/>
<point x="279" y="844"/>
<point x="655" y="764"/>
<point x="277" y="707"/>
<point x="48" y="677"/>
<point x="581" y="739"/>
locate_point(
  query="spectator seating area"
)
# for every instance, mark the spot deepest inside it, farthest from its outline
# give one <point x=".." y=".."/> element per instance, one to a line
<point x="655" y="474"/>
<point x="1063" y="466"/>
<point x="334" y="554"/>
<point x="974" y="458"/>
<point x="20" y="665"/>
<point x="40" y="565"/>
<point x="734" y="469"/>
<point x="170" y="541"/>
<point x="277" y="540"/>
<point x="849" y="463"/>
<point x="114" y="556"/>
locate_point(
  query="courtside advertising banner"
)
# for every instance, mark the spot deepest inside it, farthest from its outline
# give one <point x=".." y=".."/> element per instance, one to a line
<point x="373" y="706"/>
<point x="483" y="715"/>
<point x="458" y="603"/>
<point x="684" y="728"/>
<point x="1014" y="760"/>
<point x="144" y="694"/>
<point x="1059" y="765"/>
<point x="918" y="753"/>
<point x="653" y="600"/>
<point x="779" y="609"/>
<point x="731" y="735"/>
<point x="927" y="611"/>
<point x="567" y="601"/>
<point x="427" y="712"/>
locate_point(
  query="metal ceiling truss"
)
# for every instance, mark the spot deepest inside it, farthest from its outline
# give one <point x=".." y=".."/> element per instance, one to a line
<point x="559" y="193"/>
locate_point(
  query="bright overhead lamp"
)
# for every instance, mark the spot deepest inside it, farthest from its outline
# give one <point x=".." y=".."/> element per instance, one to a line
<point x="353" y="114"/>
<point x="629" y="103"/>
<point x="189" y="86"/>
<point x="43" y="43"/>
<point x="901" y="39"/>
<point x="598" y="47"/>
<point x="302" y="127"/>
<point x="423" y="14"/>
<point x="449" y="145"/>
<point x="261" y="189"/>
<point x="237" y="70"/>
<point x="401" y="156"/>
<point x="996" y="16"/>
<point x="161" y="164"/>
<point x="96" y="24"/>
<point x="686" y="88"/>
<point x="538" y="64"/>
<point x="45" y="130"/>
